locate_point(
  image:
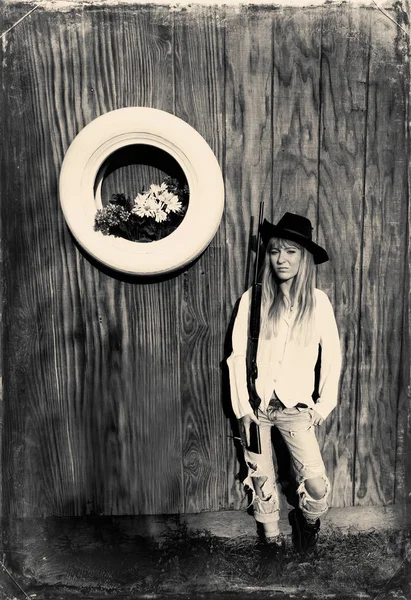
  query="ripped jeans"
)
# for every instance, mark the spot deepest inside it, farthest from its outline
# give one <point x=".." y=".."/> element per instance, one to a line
<point x="298" y="432"/>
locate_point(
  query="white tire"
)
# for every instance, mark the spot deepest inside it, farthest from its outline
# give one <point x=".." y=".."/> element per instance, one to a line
<point x="140" y="125"/>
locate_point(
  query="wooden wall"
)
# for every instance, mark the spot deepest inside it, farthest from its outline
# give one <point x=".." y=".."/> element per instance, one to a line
<point x="115" y="400"/>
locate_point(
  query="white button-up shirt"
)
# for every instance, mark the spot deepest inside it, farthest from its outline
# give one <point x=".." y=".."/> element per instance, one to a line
<point x="286" y="364"/>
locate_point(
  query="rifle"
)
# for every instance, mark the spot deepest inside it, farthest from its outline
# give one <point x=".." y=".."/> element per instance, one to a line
<point x="252" y="343"/>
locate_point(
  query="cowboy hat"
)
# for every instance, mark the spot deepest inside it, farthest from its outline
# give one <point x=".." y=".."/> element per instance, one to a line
<point x="297" y="229"/>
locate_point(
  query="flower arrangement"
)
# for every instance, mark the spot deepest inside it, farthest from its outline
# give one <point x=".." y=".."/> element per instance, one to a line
<point x="152" y="215"/>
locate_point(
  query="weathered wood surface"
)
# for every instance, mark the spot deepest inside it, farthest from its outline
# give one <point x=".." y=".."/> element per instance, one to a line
<point x="142" y="397"/>
<point x="114" y="397"/>
<point x="199" y="98"/>
<point x="296" y="113"/>
<point x="248" y="162"/>
<point x="384" y="288"/>
<point x="403" y="445"/>
<point x="90" y="406"/>
<point x="342" y="146"/>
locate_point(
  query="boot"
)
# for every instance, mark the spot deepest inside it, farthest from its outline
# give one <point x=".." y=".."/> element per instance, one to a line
<point x="304" y="534"/>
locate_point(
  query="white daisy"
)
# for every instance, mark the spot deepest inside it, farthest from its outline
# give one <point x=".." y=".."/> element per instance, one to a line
<point x="143" y="206"/>
<point x="172" y="203"/>
<point x="160" y="215"/>
<point x="157" y="190"/>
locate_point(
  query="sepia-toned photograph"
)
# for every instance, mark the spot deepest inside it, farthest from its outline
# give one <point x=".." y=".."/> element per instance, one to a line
<point x="205" y="300"/>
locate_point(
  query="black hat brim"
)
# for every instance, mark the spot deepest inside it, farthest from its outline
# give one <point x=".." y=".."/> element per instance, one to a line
<point x="268" y="231"/>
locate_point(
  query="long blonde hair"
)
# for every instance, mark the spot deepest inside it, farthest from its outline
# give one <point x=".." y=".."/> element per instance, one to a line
<point x="273" y="304"/>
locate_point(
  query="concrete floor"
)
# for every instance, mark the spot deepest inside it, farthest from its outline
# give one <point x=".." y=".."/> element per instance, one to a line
<point x="106" y="559"/>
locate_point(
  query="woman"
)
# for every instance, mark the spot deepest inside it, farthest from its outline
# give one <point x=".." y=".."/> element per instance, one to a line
<point x="296" y="318"/>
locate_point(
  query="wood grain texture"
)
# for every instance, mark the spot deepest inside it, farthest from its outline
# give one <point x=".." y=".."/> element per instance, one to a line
<point x="296" y="111"/>
<point x="344" y="80"/>
<point x="31" y="227"/>
<point x="199" y="96"/>
<point x="383" y="269"/>
<point x="99" y="380"/>
<point x="133" y="472"/>
<point x="402" y="493"/>
<point x="114" y="400"/>
<point x="248" y="163"/>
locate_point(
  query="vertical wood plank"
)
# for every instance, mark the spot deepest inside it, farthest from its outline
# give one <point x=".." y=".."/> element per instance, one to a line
<point x="150" y="471"/>
<point x="296" y="103"/>
<point x="100" y="367"/>
<point x="199" y="101"/>
<point x="403" y="453"/>
<point x="2" y="301"/>
<point x="248" y="159"/>
<point x="402" y="494"/>
<point x="97" y="384"/>
<point x="145" y="476"/>
<point x="344" y="81"/>
<point x="384" y="258"/>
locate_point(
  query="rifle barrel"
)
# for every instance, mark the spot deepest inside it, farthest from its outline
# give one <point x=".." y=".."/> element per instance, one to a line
<point x="257" y="256"/>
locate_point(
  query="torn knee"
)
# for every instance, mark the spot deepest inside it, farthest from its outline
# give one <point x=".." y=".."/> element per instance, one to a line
<point x="312" y="506"/>
<point x="316" y="487"/>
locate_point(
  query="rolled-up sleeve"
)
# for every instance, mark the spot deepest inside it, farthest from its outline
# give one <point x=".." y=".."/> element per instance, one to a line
<point x="236" y="362"/>
<point x="330" y="358"/>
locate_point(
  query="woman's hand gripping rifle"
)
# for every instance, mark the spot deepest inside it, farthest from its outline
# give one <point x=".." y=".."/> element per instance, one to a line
<point x="252" y="345"/>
